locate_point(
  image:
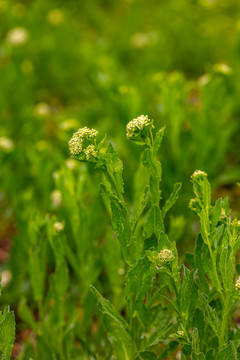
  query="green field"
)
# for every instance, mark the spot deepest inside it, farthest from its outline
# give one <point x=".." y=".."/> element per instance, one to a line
<point x="119" y="232"/>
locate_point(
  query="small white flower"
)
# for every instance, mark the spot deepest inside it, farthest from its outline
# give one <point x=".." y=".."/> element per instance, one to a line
<point x="55" y="17"/>
<point x="165" y="256"/>
<point x="6" y="277"/>
<point x="56" y="198"/>
<point x="198" y="174"/>
<point x="71" y="164"/>
<point x="90" y="151"/>
<point x="181" y="333"/>
<point x="6" y="144"/>
<point x="17" y="36"/>
<point x="139" y="40"/>
<point x="80" y="139"/>
<point x="58" y="226"/>
<point x="237" y="283"/>
<point x="135" y="126"/>
<point x="222" y="69"/>
<point x="42" y="109"/>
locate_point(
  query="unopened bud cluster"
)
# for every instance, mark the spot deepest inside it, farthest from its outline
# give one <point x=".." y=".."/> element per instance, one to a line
<point x="83" y="142"/>
<point x="237" y="284"/>
<point x="181" y="333"/>
<point x="199" y="174"/>
<point x="139" y="127"/>
<point x="165" y="256"/>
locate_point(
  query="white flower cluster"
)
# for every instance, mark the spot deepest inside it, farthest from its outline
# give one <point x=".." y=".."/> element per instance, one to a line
<point x="137" y="124"/>
<point x="17" y="36"/>
<point x="237" y="283"/>
<point x="90" y="151"/>
<point x="165" y="256"/>
<point x="6" y="144"/>
<point x="181" y="333"/>
<point x="80" y="140"/>
<point x="198" y="173"/>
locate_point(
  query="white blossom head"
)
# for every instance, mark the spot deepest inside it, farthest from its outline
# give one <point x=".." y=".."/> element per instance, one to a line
<point x="237" y="284"/>
<point x="58" y="226"/>
<point x="199" y="174"/>
<point x="166" y="256"/>
<point x="17" y="36"/>
<point x="6" y="144"/>
<point x="83" y="144"/>
<point x="138" y="128"/>
<point x="181" y="333"/>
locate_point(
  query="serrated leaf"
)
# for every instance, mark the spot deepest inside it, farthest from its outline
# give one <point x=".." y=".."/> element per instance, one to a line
<point x="115" y="166"/>
<point x="139" y="281"/>
<point x="198" y="356"/>
<point x="7" y="333"/>
<point x="120" y="223"/>
<point x="211" y="317"/>
<point x="158" y="140"/>
<point x="229" y="352"/>
<point x="146" y="355"/>
<point x="117" y="328"/>
<point x="195" y="340"/>
<point x="216" y="213"/>
<point x="153" y="165"/>
<point x="172" y="199"/>
<point x="189" y="296"/>
<point x="227" y="268"/>
<point x="154" y="223"/>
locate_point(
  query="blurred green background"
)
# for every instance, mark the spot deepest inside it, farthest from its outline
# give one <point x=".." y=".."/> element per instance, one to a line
<point x="100" y="63"/>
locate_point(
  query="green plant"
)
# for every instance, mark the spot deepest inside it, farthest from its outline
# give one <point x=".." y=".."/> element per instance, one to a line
<point x="188" y="307"/>
<point x="7" y="331"/>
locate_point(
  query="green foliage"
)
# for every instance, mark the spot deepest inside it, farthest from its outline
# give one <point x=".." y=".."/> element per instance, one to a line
<point x="132" y="237"/>
<point x="7" y="331"/>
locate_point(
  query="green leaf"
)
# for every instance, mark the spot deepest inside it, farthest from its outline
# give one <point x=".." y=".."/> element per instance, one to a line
<point x="37" y="264"/>
<point x="117" y="328"/>
<point x="26" y="315"/>
<point x="216" y="213"/>
<point x="205" y="227"/>
<point x="211" y="316"/>
<point x="210" y="355"/>
<point x="189" y="296"/>
<point x="198" y="261"/>
<point x="61" y="280"/>
<point x="172" y="199"/>
<point x="229" y="352"/>
<point x="195" y="340"/>
<point x="120" y="223"/>
<point x="153" y="165"/>
<point x="198" y="356"/>
<point x="154" y="223"/>
<point x="147" y="355"/>
<point x="158" y="140"/>
<point x="115" y="165"/>
<point x="139" y="281"/>
<point x="7" y="333"/>
<point x="227" y="268"/>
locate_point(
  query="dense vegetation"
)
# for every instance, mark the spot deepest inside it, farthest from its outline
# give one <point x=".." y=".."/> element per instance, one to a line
<point x="103" y="254"/>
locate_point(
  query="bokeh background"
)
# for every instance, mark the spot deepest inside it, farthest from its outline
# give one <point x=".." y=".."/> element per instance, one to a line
<point x="100" y="63"/>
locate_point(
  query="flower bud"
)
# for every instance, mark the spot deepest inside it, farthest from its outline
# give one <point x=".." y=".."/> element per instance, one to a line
<point x="58" y="226"/>
<point x="199" y="174"/>
<point x="165" y="256"/>
<point x="83" y="144"/>
<point x="138" y="128"/>
<point x="237" y="284"/>
<point x="17" y="36"/>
